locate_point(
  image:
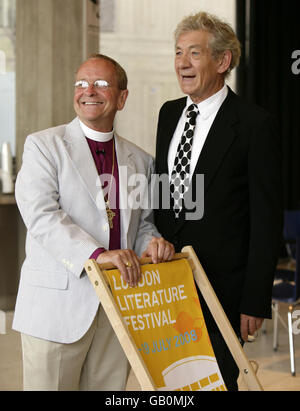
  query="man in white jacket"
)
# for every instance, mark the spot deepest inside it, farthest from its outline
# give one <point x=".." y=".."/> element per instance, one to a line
<point x="72" y="215"/>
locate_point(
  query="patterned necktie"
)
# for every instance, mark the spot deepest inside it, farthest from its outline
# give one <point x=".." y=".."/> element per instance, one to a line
<point x="180" y="177"/>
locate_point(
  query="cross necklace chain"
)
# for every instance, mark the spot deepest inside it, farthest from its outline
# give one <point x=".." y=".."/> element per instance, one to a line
<point x="110" y="213"/>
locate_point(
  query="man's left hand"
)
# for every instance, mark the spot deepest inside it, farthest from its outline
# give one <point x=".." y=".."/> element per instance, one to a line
<point x="159" y="250"/>
<point x="249" y="325"/>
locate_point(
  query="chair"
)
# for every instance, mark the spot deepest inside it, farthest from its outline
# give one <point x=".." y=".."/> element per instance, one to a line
<point x="286" y="288"/>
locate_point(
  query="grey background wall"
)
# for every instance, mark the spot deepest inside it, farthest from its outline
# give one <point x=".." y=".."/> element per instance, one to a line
<point x="52" y="40"/>
<point x="53" y="37"/>
<point x="139" y="34"/>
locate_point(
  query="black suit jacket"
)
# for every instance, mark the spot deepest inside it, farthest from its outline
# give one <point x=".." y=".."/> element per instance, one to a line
<point x="237" y="240"/>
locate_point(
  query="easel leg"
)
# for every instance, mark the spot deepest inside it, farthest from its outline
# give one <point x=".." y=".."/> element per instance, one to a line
<point x="223" y="323"/>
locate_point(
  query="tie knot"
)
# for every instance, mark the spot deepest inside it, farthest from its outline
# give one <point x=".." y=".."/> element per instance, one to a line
<point x="192" y="110"/>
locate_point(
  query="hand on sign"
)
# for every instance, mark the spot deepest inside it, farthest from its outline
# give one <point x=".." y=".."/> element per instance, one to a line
<point x="159" y="250"/>
<point x="127" y="263"/>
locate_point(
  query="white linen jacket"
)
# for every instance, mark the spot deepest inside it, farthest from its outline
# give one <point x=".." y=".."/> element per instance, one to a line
<point x="61" y="202"/>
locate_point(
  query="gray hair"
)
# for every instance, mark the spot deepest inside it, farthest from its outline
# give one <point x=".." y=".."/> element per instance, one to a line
<point x="222" y="35"/>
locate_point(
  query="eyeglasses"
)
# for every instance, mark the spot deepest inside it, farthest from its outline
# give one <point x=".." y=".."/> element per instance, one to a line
<point x="98" y="84"/>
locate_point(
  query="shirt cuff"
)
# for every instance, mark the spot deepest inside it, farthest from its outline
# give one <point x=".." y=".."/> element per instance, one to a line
<point x="96" y="253"/>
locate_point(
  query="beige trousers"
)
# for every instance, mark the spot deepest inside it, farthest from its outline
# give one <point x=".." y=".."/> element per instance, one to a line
<point x="95" y="362"/>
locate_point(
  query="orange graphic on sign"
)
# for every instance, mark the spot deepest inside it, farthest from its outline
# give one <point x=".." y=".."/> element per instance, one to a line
<point x="164" y="316"/>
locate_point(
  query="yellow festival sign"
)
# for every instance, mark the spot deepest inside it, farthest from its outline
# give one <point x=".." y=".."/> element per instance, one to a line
<point x="165" y="319"/>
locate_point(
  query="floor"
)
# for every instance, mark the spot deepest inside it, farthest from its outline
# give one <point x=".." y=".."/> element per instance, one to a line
<point x="273" y="374"/>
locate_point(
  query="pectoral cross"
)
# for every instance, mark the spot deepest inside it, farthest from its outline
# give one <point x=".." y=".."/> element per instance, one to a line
<point x="110" y="214"/>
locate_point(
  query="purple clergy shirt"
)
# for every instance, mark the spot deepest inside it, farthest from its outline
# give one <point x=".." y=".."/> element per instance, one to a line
<point x="102" y="153"/>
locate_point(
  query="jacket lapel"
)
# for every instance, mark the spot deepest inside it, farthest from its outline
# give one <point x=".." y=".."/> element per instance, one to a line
<point x="219" y="139"/>
<point x="82" y="158"/>
<point x="166" y="129"/>
<point x="169" y="126"/>
<point x="127" y="170"/>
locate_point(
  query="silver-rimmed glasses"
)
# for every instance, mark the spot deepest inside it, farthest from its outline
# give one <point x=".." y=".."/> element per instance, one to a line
<point x="98" y="84"/>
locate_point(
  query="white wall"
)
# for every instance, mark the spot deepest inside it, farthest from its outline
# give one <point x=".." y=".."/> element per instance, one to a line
<point x="142" y="41"/>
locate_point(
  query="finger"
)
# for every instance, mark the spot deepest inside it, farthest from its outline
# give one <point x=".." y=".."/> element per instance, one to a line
<point x="153" y="252"/>
<point x="172" y="252"/>
<point x="128" y="264"/>
<point x="259" y="323"/>
<point x="166" y="254"/>
<point x="255" y="324"/>
<point x="160" y="250"/>
<point x="145" y="254"/>
<point x="137" y="268"/>
<point x="133" y="268"/>
<point x="120" y="264"/>
<point x="252" y="326"/>
<point x="169" y="252"/>
<point x="131" y="276"/>
<point x="244" y="328"/>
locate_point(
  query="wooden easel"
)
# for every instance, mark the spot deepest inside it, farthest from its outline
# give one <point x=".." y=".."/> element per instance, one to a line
<point x="98" y="279"/>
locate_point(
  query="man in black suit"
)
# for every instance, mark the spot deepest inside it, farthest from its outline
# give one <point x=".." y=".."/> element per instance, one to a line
<point x="235" y="146"/>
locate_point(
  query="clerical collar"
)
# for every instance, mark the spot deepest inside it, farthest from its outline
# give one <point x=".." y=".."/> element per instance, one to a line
<point x="96" y="135"/>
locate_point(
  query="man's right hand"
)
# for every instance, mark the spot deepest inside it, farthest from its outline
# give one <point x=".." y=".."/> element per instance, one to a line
<point x="127" y="263"/>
